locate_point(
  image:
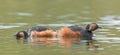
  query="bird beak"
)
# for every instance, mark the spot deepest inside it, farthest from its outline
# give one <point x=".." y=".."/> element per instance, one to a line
<point x="100" y="27"/>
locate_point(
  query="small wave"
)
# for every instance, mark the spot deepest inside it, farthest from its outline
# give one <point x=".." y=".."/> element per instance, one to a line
<point x="6" y="27"/>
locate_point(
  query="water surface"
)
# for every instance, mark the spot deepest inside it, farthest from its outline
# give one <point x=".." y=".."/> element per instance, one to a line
<point x="22" y="14"/>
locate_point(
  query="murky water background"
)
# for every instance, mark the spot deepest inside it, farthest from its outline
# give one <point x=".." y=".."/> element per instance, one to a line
<point x="18" y="15"/>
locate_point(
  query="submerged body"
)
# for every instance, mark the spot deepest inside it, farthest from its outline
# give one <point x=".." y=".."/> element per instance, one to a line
<point x="76" y="33"/>
<point x="42" y="34"/>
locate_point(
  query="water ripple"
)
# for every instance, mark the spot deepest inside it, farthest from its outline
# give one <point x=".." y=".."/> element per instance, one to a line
<point x="110" y="20"/>
<point x="11" y="25"/>
<point x="6" y="27"/>
<point x="66" y="15"/>
<point x="55" y="24"/>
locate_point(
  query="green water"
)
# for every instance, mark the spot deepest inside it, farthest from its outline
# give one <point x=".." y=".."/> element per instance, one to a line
<point x="27" y="13"/>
